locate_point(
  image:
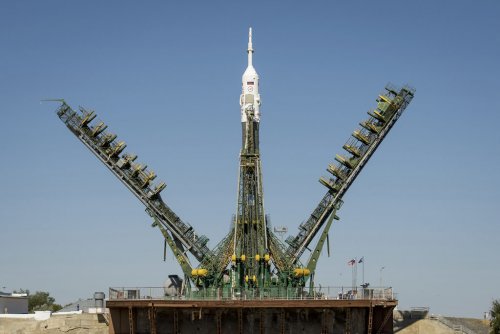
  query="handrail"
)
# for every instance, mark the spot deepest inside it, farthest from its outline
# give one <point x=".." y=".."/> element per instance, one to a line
<point x="271" y="293"/>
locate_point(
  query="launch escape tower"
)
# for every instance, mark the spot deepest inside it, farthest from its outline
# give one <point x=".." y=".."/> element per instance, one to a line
<point x="250" y="260"/>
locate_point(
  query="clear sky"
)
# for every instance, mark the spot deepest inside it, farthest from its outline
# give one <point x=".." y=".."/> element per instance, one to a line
<point x="166" y="77"/>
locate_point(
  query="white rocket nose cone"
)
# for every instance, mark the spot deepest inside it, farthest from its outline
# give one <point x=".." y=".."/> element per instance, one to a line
<point x="250" y="98"/>
<point x="250" y="72"/>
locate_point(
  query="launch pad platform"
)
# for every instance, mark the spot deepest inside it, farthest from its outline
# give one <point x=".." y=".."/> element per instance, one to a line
<point x="345" y="313"/>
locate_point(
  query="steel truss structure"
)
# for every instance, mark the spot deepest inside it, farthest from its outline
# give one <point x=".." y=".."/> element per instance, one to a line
<point x="250" y="256"/>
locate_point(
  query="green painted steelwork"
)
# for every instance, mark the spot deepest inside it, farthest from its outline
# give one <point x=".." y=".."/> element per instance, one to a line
<point x="175" y="246"/>
<point x="360" y="147"/>
<point x="250" y="261"/>
<point x="315" y="254"/>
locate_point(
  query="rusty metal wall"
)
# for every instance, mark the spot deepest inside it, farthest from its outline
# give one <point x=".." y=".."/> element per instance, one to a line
<point x="156" y="319"/>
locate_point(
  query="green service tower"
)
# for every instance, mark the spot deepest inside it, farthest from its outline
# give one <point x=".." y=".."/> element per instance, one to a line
<point x="250" y="258"/>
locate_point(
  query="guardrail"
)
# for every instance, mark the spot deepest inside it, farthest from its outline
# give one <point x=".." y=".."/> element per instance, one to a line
<point x="272" y="293"/>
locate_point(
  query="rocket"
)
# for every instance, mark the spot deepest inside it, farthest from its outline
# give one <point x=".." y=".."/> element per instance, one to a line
<point x="250" y="98"/>
<point x="250" y="104"/>
<point x="250" y="232"/>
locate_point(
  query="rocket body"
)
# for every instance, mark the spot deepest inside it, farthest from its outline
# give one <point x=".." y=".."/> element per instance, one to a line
<point x="250" y="98"/>
<point x="250" y="231"/>
<point x="250" y="105"/>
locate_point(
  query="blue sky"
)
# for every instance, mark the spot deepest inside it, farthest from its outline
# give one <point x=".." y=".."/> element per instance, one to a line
<point x="166" y="77"/>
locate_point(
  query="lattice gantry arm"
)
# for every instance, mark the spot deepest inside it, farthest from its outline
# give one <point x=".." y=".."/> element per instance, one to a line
<point x="359" y="148"/>
<point x="136" y="177"/>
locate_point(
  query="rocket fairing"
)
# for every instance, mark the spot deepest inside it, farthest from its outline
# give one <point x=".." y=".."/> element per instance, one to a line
<point x="250" y="98"/>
